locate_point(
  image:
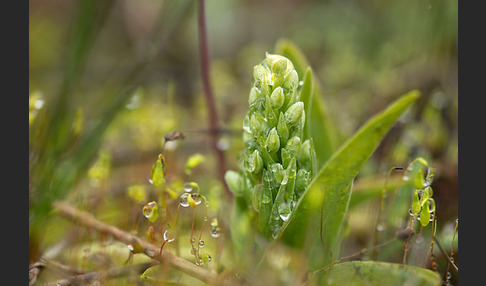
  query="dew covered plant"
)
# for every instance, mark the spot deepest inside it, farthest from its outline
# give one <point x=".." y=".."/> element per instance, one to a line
<point x="190" y="199"/>
<point x="420" y="175"/>
<point x="277" y="163"/>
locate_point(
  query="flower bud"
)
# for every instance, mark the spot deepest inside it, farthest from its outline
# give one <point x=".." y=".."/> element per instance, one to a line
<point x="273" y="141"/>
<point x="291" y="81"/>
<point x="255" y="162"/>
<point x="235" y="182"/>
<point x="260" y="74"/>
<point x="151" y="211"/>
<point x="280" y="66"/>
<point x="425" y="214"/>
<point x="416" y="204"/>
<point x="254" y="97"/>
<point x="294" y="113"/>
<point x="294" y="147"/>
<point x="277" y="98"/>
<point x="157" y="176"/>
<point x="258" y="124"/>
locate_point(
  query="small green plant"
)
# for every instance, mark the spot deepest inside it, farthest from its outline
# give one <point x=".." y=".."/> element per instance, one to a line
<point x="279" y="190"/>
<point x="278" y="163"/>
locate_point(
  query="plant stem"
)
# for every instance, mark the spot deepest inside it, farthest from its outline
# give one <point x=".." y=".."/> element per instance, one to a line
<point x="88" y="220"/>
<point x="380" y="212"/>
<point x="208" y="92"/>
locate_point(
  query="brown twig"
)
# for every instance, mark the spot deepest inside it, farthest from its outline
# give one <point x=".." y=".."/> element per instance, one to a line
<point x="208" y="92"/>
<point x="140" y="246"/>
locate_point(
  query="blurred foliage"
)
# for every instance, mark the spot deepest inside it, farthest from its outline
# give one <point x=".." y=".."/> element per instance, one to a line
<point x="108" y="79"/>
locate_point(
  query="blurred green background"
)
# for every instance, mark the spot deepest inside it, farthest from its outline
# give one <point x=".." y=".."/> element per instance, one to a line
<point x="109" y="79"/>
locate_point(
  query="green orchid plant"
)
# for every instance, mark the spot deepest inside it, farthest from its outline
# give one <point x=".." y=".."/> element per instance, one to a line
<point x="290" y="190"/>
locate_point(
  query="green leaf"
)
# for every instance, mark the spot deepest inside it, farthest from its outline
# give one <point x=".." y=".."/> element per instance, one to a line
<point x="306" y="96"/>
<point x="324" y="133"/>
<point x="356" y="273"/>
<point x="315" y="223"/>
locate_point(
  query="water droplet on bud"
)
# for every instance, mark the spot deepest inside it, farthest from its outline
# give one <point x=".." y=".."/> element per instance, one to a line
<point x="169" y="235"/>
<point x="215" y="231"/>
<point x="183" y="200"/>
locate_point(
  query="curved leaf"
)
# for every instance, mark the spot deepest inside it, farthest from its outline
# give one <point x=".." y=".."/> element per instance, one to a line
<point x="315" y="223"/>
<point x="356" y="273"/>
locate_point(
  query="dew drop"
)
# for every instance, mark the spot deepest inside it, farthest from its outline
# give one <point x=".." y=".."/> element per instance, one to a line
<point x="199" y="261"/>
<point x="187" y="188"/>
<point x="193" y="240"/>
<point x="285" y="217"/>
<point x="183" y="200"/>
<point x="406" y="178"/>
<point x="208" y="257"/>
<point x="215" y="231"/>
<point x="275" y="230"/>
<point x="284" y="210"/>
<point x="197" y="198"/>
<point x="169" y="235"/>
<point x="201" y="243"/>
<point x="223" y="144"/>
<point x="148" y="209"/>
<point x="380" y="227"/>
<point x="131" y="248"/>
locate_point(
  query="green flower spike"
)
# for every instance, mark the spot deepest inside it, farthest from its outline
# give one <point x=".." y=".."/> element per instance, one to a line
<point x="278" y="163"/>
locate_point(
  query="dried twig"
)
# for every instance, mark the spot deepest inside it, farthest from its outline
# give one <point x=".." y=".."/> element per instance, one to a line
<point x="140" y="246"/>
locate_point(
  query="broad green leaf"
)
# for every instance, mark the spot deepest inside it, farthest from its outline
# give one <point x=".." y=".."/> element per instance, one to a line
<point x="315" y="223"/>
<point x="323" y="131"/>
<point x="356" y="273"/>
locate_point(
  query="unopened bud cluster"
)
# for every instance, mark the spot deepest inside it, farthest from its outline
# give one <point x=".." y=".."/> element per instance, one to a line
<point x="277" y="162"/>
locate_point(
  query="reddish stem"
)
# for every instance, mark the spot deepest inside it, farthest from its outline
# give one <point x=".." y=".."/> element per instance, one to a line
<point x="212" y="112"/>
